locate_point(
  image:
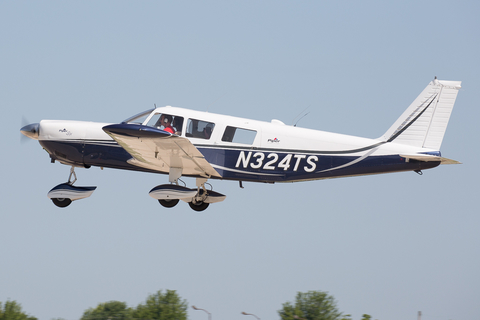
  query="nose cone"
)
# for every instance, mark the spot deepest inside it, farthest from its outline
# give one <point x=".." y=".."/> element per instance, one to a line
<point x="31" y="130"/>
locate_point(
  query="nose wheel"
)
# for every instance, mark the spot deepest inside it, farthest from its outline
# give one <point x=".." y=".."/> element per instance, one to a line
<point x="61" y="202"/>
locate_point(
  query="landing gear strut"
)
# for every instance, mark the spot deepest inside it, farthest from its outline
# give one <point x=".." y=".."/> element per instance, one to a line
<point x="63" y="194"/>
<point x="198" y="202"/>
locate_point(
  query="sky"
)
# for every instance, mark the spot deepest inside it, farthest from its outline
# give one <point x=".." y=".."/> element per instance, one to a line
<point x="385" y="245"/>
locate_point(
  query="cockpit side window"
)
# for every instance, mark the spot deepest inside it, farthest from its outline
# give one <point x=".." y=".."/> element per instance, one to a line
<point x="167" y="122"/>
<point x="239" y="135"/>
<point x="199" y="129"/>
<point x="138" y="118"/>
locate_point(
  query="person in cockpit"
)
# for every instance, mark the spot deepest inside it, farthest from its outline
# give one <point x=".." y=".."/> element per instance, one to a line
<point x="167" y="123"/>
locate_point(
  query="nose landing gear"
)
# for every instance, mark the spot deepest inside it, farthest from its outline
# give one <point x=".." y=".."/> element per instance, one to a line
<point x="63" y="194"/>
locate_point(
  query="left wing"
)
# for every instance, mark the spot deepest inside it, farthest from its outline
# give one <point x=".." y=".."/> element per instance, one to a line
<point x="159" y="150"/>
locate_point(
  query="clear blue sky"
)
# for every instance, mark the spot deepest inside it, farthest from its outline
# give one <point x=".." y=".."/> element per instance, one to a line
<point x="389" y="245"/>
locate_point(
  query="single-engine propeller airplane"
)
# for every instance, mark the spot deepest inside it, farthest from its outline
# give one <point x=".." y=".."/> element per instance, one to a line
<point x="181" y="142"/>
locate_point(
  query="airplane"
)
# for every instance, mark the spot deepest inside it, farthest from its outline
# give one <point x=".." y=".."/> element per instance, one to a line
<point x="180" y="142"/>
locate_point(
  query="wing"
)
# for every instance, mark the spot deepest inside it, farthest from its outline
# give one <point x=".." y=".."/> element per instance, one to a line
<point x="159" y="150"/>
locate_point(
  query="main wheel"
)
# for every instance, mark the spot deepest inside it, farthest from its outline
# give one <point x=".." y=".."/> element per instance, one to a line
<point x="168" y="203"/>
<point x="198" y="206"/>
<point x="61" y="202"/>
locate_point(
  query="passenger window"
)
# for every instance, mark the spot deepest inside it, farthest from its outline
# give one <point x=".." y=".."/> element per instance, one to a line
<point x="167" y="122"/>
<point x="239" y="135"/>
<point x="199" y="129"/>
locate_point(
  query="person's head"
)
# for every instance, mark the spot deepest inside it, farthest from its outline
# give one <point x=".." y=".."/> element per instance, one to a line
<point x="159" y="122"/>
<point x="208" y="131"/>
<point x="167" y="119"/>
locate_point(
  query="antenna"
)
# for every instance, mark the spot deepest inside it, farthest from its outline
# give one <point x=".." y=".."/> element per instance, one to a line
<point x="295" y="123"/>
<point x="215" y="101"/>
<point x="300" y="119"/>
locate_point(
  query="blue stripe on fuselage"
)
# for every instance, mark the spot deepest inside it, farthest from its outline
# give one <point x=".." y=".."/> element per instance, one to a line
<point x="237" y="164"/>
<point x="257" y="165"/>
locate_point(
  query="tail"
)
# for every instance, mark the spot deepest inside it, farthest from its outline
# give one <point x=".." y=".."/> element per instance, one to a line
<point x="424" y="123"/>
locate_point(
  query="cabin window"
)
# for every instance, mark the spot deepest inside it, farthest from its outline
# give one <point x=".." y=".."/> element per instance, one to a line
<point x="199" y="129"/>
<point x="239" y="135"/>
<point x="167" y="122"/>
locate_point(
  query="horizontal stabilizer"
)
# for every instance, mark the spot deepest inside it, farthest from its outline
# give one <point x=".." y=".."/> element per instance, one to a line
<point x="428" y="158"/>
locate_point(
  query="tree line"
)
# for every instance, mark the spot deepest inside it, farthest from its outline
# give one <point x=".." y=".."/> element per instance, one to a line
<point x="311" y="305"/>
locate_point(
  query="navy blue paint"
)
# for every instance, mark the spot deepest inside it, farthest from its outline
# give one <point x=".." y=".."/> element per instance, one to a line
<point x="69" y="187"/>
<point x="369" y="165"/>
<point x="65" y="151"/>
<point x="172" y="187"/>
<point x="136" y="130"/>
<point x="111" y="155"/>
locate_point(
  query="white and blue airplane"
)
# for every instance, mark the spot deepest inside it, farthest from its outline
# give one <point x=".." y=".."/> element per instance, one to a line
<point x="182" y="142"/>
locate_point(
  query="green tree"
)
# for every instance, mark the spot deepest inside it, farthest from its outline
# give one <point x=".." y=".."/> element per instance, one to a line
<point x="162" y="306"/>
<point x="311" y="305"/>
<point x="13" y="311"/>
<point x="114" y="310"/>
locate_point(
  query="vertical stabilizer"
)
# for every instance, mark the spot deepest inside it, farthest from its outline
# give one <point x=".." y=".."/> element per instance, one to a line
<point x="424" y="123"/>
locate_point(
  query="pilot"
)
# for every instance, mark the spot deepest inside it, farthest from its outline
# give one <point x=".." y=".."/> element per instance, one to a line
<point x="159" y="122"/>
<point x="167" y="123"/>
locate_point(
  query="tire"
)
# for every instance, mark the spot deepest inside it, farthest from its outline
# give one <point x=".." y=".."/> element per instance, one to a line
<point x="169" y="203"/>
<point x="61" y="202"/>
<point x="198" y="206"/>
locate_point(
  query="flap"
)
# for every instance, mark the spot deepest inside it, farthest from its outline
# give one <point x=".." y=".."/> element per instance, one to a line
<point x="159" y="150"/>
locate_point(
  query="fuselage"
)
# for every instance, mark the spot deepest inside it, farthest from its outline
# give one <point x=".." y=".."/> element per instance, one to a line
<point x="237" y="148"/>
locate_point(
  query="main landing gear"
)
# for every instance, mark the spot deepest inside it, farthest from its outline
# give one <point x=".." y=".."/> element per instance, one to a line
<point x="168" y="195"/>
<point x="63" y="194"/>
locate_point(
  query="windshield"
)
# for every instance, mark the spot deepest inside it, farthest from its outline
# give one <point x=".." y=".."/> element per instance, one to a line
<point x="139" y="118"/>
